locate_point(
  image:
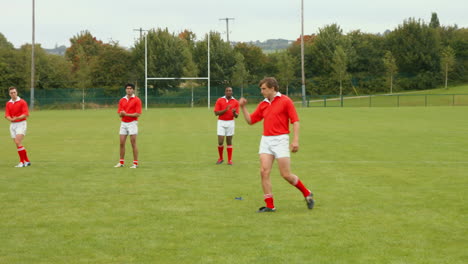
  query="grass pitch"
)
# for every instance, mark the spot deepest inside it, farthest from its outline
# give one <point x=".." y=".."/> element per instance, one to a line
<point x="390" y="187"/>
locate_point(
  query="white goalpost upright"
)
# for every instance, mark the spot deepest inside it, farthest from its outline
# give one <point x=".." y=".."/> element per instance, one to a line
<point x="174" y="78"/>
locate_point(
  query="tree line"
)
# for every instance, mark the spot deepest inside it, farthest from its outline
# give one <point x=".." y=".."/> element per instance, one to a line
<point x="415" y="55"/>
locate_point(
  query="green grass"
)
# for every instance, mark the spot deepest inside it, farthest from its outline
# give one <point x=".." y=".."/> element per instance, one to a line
<point x="390" y="185"/>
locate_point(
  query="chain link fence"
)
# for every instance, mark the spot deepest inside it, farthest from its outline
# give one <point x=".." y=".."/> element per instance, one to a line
<point x="92" y="98"/>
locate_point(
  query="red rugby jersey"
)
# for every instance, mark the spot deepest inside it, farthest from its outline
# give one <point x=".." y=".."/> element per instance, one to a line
<point x="222" y="103"/>
<point x="276" y="114"/>
<point x="130" y="106"/>
<point x="16" y="108"/>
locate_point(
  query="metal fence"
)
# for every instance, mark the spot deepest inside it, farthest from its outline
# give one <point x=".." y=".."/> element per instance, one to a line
<point x="198" y="97"/>
<point x="389" y="100"/>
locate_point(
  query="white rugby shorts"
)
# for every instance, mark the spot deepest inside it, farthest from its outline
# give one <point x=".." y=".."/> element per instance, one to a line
<point x="130" y="128"/>
<point x="18" y="128"/>
<point x="226" y="127"/>
<point x="277" y="146"/>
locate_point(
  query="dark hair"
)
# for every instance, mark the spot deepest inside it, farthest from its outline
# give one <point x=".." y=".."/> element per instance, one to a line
<point x="270" y="82"/>
<point x="131" y="85"/>
<point x="12" y="88"/>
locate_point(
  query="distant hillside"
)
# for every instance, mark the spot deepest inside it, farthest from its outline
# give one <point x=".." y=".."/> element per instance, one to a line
<point x="58" y="50"/>
<point x="271" y="45"/>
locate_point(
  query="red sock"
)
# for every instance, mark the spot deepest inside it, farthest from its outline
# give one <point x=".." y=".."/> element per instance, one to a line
<point x="306" y="192"/>
<point x="21" y="153"/>
<point x="25" y="155"/>
<point x="268" y="198"/>
<point x="135" y="162"/>
<point x="122" y="161"/>
<point x="220" y="151"/>
<point x="229" y="151"/>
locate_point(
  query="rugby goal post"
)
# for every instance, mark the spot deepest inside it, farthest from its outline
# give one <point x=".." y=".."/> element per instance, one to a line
<point x="174" y="78"/>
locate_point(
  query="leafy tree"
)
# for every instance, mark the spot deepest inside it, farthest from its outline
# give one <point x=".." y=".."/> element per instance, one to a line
<point x="457" y="39"/>
<point x="239" y="74"/>
<point x="319" y="57"/>
<point x="434" y="21"/>
<point x="415" y="47"/>
<point x="447" y="62"/>
<point x="285" y="67"/>
<point x="366" y="53"/>
<point x="295" y="51"/>
<point x="390" y="67"/>
<point x="255" y="60"/>
<point x="189" y="37"/>
<point x="168" y="56"/>
<point x="12" y="70"/>
<point x="83" y="49"/>
<point x="51" y="71"/>
<point x="339" y="66"/>
<point x="111" y="67"/>
<point x="222" y="59"/>
<point x="4" y="43"/>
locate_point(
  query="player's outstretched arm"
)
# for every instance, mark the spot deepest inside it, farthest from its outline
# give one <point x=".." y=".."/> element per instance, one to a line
<point x="242" y="104"/>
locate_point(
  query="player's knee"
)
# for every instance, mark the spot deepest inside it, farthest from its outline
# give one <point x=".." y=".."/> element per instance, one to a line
<point x="287" y="175"/>
<point x="265" y="171"/>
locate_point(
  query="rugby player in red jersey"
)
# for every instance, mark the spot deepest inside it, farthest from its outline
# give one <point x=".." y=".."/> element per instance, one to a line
<point x="16" y="111"/>
<point x="226" y="108"/>
<point x="129" y="111"/>
<point x="276" y="111"/>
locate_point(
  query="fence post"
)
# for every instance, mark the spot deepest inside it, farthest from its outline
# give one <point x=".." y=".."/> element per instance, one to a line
<point x="453" y="99"/>
<point x="341" y="101"/>
<point x="370" y="100"/>
<point x="324" y="101"/>
<point x="425" y="100"/>
<point x="398" y="101"/>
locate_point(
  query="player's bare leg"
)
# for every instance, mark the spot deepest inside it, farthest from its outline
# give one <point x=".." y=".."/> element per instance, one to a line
<point x="24" y="160"/>
<point x="266" y="163"/>
<point x="123" y="139"/>
<point x="220" y="149"/>
<point x="229" y="149"/>
<point x="220" y="140"/>
<point x="284" y="165"/>
<point x="18" y="140"/>
<point x="133" y="140"/>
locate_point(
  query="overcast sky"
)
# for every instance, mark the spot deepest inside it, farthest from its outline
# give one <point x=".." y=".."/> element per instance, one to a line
<point x="115" y="20"/>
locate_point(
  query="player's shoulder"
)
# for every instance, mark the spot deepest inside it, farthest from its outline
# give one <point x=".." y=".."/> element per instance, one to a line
<point x="286" y="98"/>
<point x="220" y="100"/>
